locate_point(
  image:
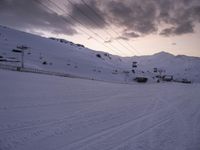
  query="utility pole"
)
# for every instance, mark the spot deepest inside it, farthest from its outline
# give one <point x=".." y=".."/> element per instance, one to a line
<point x="21" y="49"/>
<point x="22" y="59"/>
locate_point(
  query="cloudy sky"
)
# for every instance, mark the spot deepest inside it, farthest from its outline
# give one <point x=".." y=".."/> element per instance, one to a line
<point x="128" y="27"/>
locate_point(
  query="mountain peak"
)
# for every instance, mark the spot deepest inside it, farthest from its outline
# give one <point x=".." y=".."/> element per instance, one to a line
<point x="163" y="54"/>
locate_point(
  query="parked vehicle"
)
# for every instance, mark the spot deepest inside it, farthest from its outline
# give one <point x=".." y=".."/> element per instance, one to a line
<point x="141" y="79"/>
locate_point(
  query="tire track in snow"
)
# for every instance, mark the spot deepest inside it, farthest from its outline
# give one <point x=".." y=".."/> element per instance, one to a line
<point x="118" y="126"/>
<point x="116" y="132"/>
<point x="196" y="131"/>
<point x="112" y="130"/>
<point x="52" y="135"/>
<point x="182" y="123"/>
<point x="125" y="145"/>
<point x="151" y="121"/>
<point x="54" y="122"/>
<point x="5" y="108"/>
<point x="91" y="140"/>
<point x="32" y="133"/>
<point x="38" y="125"/>
<point x="162" y="122"/>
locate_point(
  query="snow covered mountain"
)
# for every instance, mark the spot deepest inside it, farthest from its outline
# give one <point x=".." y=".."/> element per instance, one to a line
<point x="40" y="112"/>
<point x="59" y="55"/>
<point x="181" y="67"/>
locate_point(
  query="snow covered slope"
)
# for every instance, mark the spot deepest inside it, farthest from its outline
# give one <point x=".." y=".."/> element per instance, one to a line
<point x="179" y="66"/>
<point x="66" y="57"/>
<point x="63" y="56"/>
<point x="39" y="112"/>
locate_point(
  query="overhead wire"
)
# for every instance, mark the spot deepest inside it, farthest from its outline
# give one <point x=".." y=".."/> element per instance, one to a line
<point x="80" y="29"/>
<point x="79" y="22"/>
<point x="100" y="17"/>
<point x="97" y="24"/>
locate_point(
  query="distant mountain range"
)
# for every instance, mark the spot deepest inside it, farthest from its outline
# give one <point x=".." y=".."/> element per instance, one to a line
<point x="60" y="55"/>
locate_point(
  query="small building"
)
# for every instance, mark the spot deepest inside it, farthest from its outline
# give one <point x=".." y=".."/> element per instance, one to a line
<point x="17" y="50"/>
<point x="155" y="70"/>
<point x="141" y="79"/>
<point x="134" y="64"/>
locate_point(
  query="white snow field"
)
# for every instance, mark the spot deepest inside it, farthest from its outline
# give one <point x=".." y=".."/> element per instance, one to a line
<point x="40" y="112"/>
<point x="63" y="56"/>
<point x="59" y="57"/>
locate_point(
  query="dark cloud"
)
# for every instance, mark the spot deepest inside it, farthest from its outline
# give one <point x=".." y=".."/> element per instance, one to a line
<point x="127" y="35"/>
<point x="87" y="12"/>
<point x="182" y="17"/>
<point x="148" y="16"/>
<point x="135" y="17"/>
<point x="31" y="15"/>
<point x="168" y="31"/>
<point x="131" y="34"/>
<point x="139" y="18"/>
<point x="179" y="30"/>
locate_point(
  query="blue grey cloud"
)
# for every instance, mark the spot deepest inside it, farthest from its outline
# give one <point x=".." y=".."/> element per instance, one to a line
<point x="136" y="17"/>
<point x="29" y="14"/>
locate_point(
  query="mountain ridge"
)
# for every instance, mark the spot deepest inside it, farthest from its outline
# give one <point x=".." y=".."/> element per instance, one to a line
<point x="64" y="56"/>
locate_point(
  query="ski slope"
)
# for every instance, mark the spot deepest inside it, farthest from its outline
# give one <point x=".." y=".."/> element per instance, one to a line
<point x="59" y="55"/>
<point x="40" y="112"/>
<point x="179" y="66"/>
<point x="62" y="57"/>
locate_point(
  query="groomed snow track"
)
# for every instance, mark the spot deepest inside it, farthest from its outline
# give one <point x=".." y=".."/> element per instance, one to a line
<point x="52" y="113"/>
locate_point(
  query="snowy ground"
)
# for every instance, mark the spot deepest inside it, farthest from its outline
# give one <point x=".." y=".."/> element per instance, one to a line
<point x="50" y="55"/>
<point x="39" y="112"/>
